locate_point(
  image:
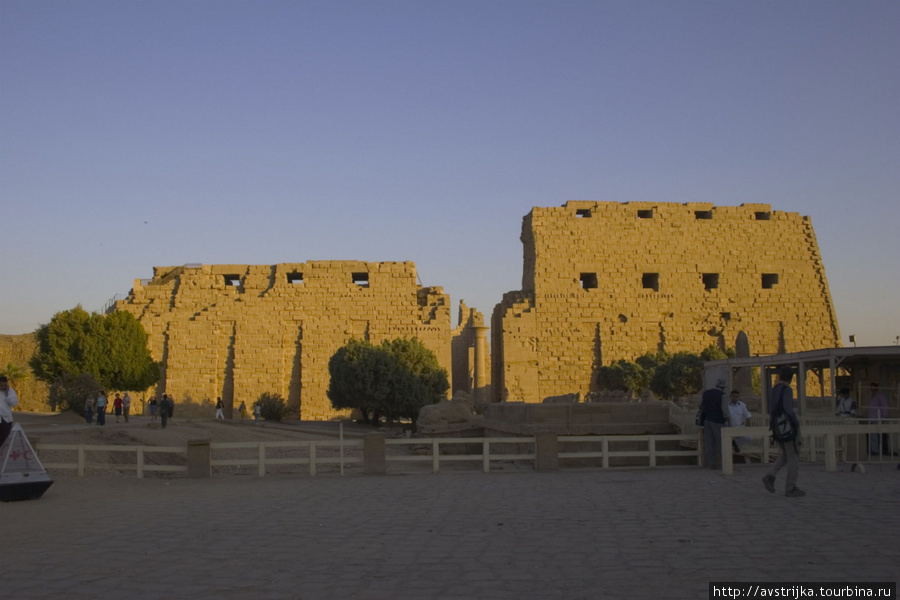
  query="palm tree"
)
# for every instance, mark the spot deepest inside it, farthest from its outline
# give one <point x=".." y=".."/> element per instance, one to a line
<point x="14" y="372"/>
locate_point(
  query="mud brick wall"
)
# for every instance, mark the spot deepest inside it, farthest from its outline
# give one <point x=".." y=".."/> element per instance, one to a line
<point x="604" y="281"/>
<point x="237" y="331"/>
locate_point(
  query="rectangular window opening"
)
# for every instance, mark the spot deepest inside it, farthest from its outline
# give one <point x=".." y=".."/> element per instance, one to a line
<point x="583" y="213"/>
<point x="589" y="281"/>
<point x="650" y="281"/>
<point x="361" y="279"/>
<point x="710" y="281"/>
<point x="645" y="214"/>
<point x="232" y="280"/>
<point x="763" y="216"/>
<point x="769" y="280"/>
<point x="703" y="214"/>
<point x="295" y="278"/>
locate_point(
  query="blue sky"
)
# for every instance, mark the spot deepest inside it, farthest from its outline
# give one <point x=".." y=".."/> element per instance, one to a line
<point x="136" y="134"/>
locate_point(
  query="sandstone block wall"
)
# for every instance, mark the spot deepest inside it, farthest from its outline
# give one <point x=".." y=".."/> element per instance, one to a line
<point x="237" y="331"/>
<point x="604" y="281"/>
<point x="16" y="351"/>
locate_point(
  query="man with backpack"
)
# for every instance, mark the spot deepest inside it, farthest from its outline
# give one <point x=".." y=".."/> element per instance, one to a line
<point x="785" y="429"/>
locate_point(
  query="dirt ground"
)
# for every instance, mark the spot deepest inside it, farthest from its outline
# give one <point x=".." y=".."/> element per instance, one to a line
<point x="69" y="428"/>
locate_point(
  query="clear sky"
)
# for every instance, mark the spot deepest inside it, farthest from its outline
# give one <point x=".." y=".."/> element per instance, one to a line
<point x="148" y="133"/>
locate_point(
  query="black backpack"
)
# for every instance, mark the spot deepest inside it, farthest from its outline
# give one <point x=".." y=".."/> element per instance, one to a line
<point x="782" y="427"/>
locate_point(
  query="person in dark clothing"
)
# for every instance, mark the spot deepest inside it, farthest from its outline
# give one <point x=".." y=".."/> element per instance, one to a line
<point x="787" y="455"/>
<point x="165" y="408"/>
<point x="714" y="419"/>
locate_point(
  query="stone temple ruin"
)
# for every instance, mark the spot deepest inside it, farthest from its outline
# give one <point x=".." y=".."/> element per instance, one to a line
<point x="237" y="331"/>
<point x="602" y="281"/>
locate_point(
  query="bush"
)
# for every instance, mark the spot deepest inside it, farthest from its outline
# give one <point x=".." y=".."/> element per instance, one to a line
<point x="69" y="392"/>
<point x="271" y="407"/>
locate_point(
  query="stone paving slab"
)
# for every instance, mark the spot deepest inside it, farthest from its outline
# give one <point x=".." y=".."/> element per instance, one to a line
<point x="571" y="534"/>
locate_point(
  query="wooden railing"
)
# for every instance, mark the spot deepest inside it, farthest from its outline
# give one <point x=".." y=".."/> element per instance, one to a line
<point x="262" y="456"/>
<point x="261" y="460"/>
<point x="82" y="464"/>
<point x="830" y="443"/>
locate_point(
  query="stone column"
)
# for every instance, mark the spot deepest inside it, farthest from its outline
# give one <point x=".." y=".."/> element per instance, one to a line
<point x="480" y="366"/>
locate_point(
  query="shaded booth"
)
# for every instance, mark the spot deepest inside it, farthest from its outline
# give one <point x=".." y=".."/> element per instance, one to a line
<point x="819" y="375"/>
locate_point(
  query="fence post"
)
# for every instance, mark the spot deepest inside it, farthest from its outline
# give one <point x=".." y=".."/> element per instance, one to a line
<point x="651" y="448"/>
<point x="546" y="451"/>
<point x="140" y="462"/>
<point x="312" y="459"/>
<point x="830" y="453"/>
<point x="262" y="459"/>
<point x="436" y="455"/>
<point x="727" y="456"/>
<point x="81" y="461"/>
<point x="486" y="455"/>
<point x="374" y="459"/>
<point x="199" y="457"/>
<point x="604" y="448"/>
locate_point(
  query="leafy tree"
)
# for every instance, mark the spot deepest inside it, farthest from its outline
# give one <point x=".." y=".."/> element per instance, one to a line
<point x="681" y="375"/>
<point x="359" y="378"/>
<point x="392" y="380"/>
<point x="623" y="375"/>
<point x="271" y="407"/>
<point x="651" y="360"/>
<point x="111" y="348"/>
<point x="419" y="379"/>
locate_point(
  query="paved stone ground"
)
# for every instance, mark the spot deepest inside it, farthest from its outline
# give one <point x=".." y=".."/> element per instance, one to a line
<point x="571" y="534"/>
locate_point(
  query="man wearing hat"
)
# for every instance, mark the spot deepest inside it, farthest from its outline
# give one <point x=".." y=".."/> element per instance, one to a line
<point x="711" y="406"/>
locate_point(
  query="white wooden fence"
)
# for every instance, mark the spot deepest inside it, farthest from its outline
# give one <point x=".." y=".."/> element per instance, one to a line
<point x="262" y="456"/>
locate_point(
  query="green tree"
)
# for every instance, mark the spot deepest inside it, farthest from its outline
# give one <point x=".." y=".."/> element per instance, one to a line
<point x="623" y="376"/>
<point x="394" y="379"/>
<point x="651" y="360"/>
<point x="421" y="379"/>
<point x="359" y="378"/>
<point x="680" y="375"/>
<point x="111" y="348"/>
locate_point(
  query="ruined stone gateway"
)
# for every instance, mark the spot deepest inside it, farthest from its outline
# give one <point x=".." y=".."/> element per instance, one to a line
<point x="604" y="281"/>
<point x="237" y="331"/>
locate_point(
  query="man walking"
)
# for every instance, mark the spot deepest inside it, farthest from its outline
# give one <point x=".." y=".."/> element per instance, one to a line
<point x="783" y="395"/>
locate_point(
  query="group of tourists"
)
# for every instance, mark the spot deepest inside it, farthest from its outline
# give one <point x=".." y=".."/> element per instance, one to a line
<point x="121" y="406"/>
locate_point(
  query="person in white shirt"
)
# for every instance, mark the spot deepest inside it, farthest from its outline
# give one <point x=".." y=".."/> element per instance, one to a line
<point x="846" y="407"/>
<point x="737" y="416"/>
<point x="8" y="399"/>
